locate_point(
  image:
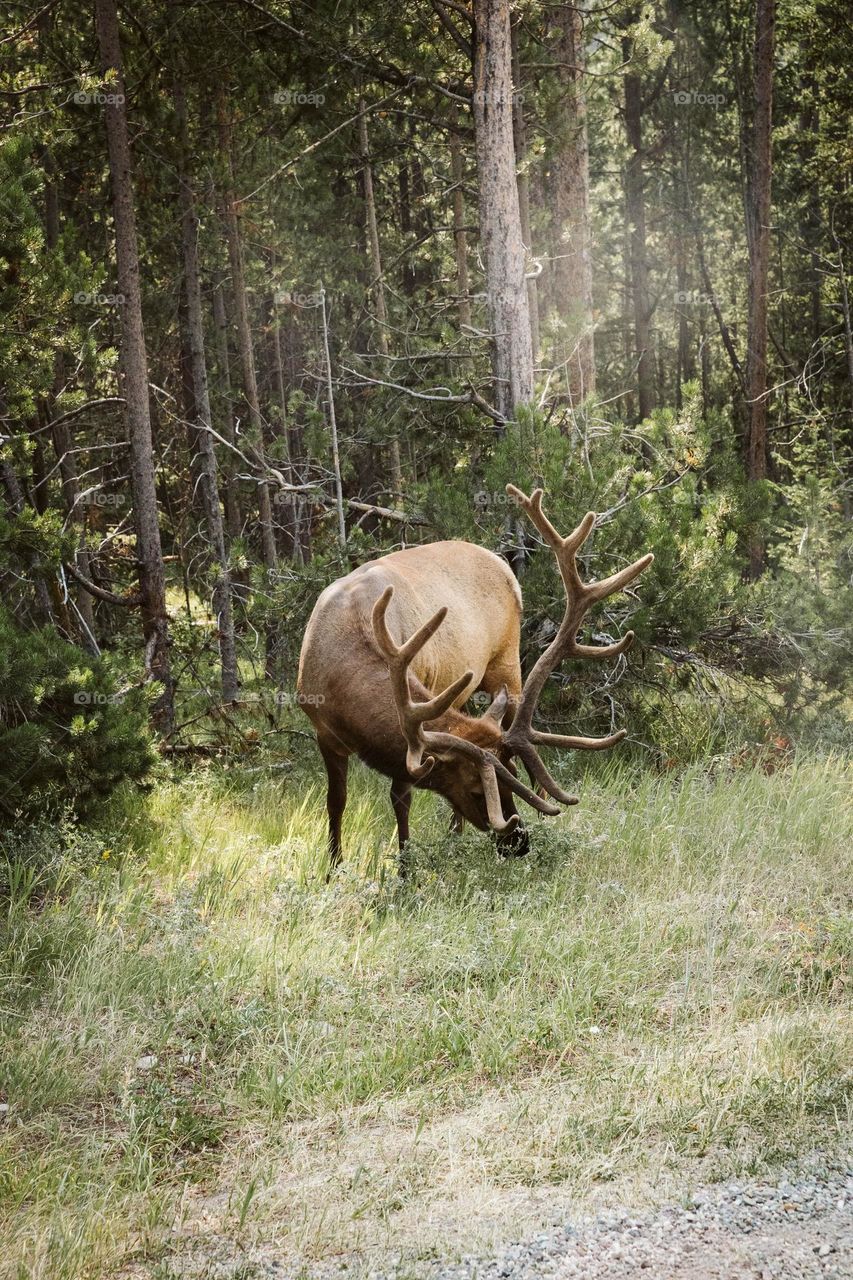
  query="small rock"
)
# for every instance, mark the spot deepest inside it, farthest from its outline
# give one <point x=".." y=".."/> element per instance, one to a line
<point x="146" y="1062"/>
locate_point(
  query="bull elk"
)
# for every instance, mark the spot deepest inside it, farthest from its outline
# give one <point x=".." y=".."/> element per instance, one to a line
<point x="392" y="652"/>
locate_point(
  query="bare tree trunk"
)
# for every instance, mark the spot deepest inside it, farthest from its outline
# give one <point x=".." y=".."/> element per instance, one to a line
<point x="845" y="314"/>
<point x="396" y="471"/>
<point x="811" y="222"/>
<point x="572" y="268"/>
<point x="500" y="220"/>
<point x="203" y="440"/>
<point x="685" y="364"/>
<point x="134" y="361"/>
<point x="289" y="502"/>
<point x="333" y="429"/>
<point x="758" y="179"/>
<point x="233" y="515"/>
<point x="296" y="442"/>
<point x="627" y="323"/>
<point x="63" y="444"/>
<point x="245" y="348"/>
<point x="244" y="331"/>
<point x="519" y="131"/>
<point x="460" y="235"/>
<point x="635" y="211"/>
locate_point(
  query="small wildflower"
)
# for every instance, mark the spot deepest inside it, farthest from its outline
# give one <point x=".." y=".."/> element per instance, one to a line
<point x="106" y="855"/>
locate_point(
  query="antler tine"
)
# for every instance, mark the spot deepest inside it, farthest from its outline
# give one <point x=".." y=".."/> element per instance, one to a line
<point x="533" y="507"/>
<point x="490" y="763"/>
<point x="573" y="742"/>
<point x="412" y="715"/>
<point x="563" y="548"/>
<point x="535" y="766"/>
<point x="618" y="581"/>
<point x="407" y="650"/>
<point x="522" y="738"/>
<point x="603" y="650"/>
<point x="492" y="796"/>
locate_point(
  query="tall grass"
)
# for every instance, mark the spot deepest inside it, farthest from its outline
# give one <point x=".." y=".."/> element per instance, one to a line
<point x="201" y="1030"/>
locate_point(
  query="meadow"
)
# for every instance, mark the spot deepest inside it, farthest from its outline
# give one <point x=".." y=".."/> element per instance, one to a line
<point x="211" y="1056"/>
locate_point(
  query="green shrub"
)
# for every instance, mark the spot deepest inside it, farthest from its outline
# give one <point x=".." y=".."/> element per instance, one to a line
<point x="67" y="736"/>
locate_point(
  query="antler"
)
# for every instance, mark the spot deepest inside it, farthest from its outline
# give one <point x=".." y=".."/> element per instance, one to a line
<point x="521" y="738"/>
<point x="413" y="715"/>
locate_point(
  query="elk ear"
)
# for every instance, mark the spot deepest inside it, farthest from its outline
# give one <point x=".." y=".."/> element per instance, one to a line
<point x="497" y="710"/>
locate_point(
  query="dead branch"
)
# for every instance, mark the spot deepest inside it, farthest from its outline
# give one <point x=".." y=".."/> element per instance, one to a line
<point x="100" y="593"/>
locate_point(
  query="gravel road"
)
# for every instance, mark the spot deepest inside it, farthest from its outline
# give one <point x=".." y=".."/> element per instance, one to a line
<point x="799" y="1227"/>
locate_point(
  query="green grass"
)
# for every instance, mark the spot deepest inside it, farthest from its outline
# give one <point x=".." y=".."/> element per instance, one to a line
<point x="201" y="1036"/>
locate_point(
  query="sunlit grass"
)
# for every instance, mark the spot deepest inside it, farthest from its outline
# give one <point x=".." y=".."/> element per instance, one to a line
<point x="204" y="1025"/>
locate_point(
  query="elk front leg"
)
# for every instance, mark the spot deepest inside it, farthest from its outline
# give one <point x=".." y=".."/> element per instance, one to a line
<point x="337" y="766"/>
<point x="401" y="802"/>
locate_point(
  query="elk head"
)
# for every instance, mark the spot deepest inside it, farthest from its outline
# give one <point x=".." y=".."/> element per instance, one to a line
<point x="471" y="760"/>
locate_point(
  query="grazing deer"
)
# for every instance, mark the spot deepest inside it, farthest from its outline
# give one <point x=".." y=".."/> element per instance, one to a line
<point x="396" y="701"/>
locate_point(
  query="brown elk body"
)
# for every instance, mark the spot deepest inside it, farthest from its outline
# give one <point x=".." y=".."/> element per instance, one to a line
<point x="392" y="652"/>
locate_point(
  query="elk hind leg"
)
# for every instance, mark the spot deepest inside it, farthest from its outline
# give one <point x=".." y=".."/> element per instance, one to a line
<point x="337" y="766"/>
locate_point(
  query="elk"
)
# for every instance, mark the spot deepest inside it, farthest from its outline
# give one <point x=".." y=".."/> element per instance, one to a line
<point x="393" y="651"/>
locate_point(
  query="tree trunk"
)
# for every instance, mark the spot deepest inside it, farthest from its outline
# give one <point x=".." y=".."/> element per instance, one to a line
<point x="811" y="224"/>
<point x="635" y="212"/>
<point x="685" y="364"/>
<point x="205" y="453"/>
<point x="233" y="515"/>
<point x="519" y="132"/>
<point x="572" y="268"/>
<point x="500" y="220"/>
<point x="627" y="323"/>
<point x="758" y="177"/>
<point x="134" y="365"/>
<point x="395" y="468"/>
<point x="460" y="235"/>
<point x="245" y="347"/>
<point x="333" y="429"/>
<point x="244" y="332"/>
<point x="288" y="501"/>
<point x="63" y="444"/>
